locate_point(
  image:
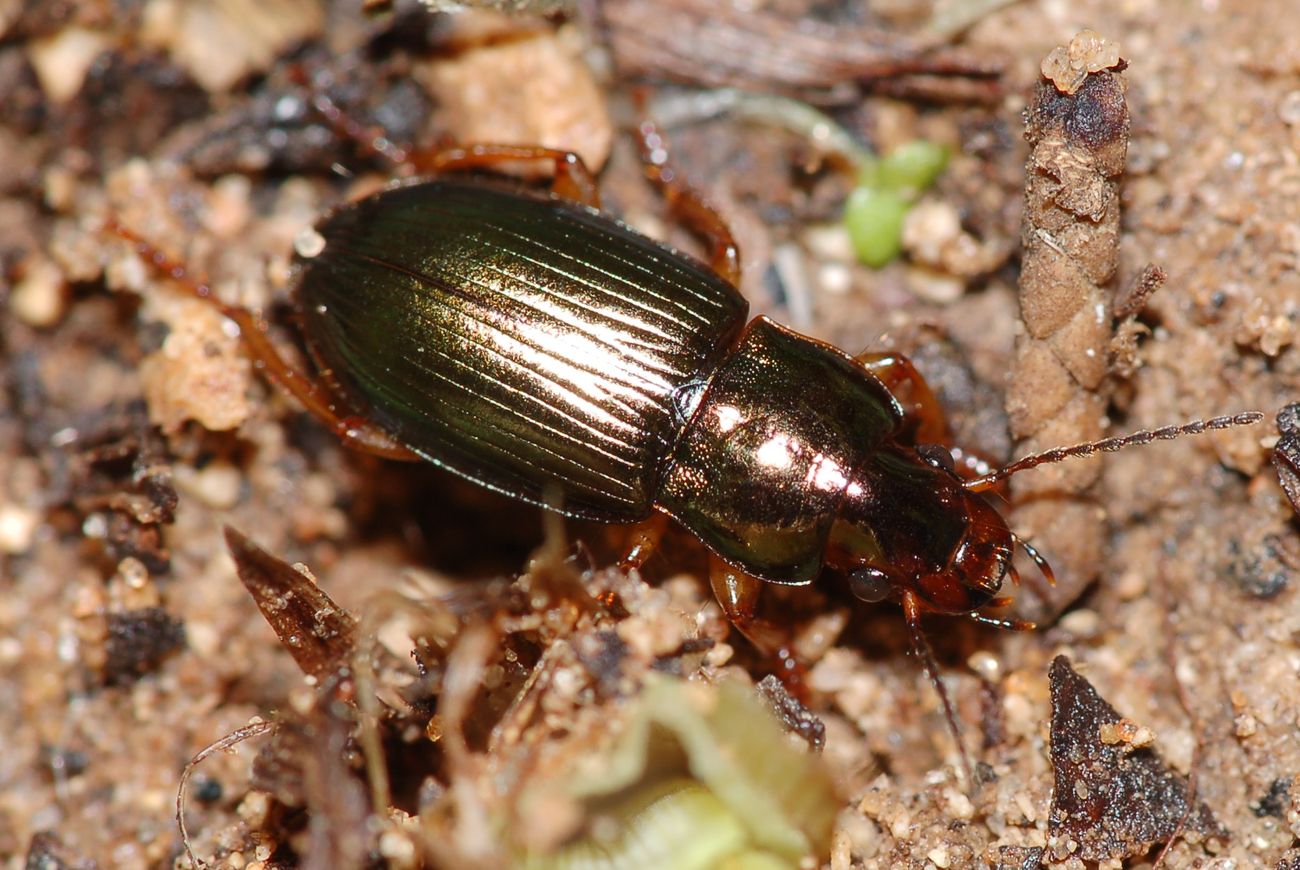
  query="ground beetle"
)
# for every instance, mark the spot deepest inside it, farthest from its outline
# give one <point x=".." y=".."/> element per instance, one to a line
<point x="531" y="343"/>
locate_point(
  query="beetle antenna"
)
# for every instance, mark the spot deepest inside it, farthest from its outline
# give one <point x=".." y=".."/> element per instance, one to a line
<point x="1110" y="445"/>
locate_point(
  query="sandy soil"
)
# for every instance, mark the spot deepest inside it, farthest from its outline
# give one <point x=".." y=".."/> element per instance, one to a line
<point x="127" y="643"/>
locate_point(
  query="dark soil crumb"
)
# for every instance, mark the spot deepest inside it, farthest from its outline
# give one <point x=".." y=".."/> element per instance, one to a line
<point x="138" y="641"/>
<point x="1019" y="858"/>
<point x="1114" y="797"/>
<point x="793" y="714"/>
<point x="1286" y="455"/>
<point x="48" y="852"/>
<point x="1275" y="801"/>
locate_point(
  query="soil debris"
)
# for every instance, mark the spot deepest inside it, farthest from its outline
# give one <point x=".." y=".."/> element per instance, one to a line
<point x="48" y="852"/>
<point x="701" y="42"/>
<point x="1286" y="455"/>
<point x="1113" y="798"/>
<point x="793" y="714"/>
<point x="317" y="632"/>
<point x="138" y="641"/>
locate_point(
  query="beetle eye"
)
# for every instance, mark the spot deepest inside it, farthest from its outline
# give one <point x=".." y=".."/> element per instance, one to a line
<point x="870" y="585"/>
<point x="937" y="456"/>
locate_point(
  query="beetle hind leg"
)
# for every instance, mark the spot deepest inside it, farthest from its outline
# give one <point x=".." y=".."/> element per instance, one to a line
<point x="315" y="396"/>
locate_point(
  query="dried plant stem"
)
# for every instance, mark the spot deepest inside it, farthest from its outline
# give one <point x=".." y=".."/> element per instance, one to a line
<point x="1058" y="390"/>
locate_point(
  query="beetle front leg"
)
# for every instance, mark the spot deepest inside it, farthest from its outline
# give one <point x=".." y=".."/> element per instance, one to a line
<point x="900" y="377"/>
<point x="909" y="386"/>
<point x="912" y="608"/>
<point x="738" y="592"/>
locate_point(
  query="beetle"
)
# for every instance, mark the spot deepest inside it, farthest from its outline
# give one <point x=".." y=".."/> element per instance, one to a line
<point x="525" y="340"/>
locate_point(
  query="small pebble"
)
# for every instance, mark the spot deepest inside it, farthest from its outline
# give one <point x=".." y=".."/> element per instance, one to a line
<point x="38" y="298"/>
<point x="18" y="526"/>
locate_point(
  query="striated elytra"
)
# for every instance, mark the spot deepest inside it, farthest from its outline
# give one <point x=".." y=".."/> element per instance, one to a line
<point x="539" y="347"/>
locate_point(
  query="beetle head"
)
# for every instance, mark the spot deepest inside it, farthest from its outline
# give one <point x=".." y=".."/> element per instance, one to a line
<point x="909" y="525"/>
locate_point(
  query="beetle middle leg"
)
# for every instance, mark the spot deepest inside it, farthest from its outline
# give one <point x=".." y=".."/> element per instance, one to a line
<point x="643" y="540"/>
<point x="573" y="180"/>
<point x="738" y="593"/>
<point x="687" y="204"/>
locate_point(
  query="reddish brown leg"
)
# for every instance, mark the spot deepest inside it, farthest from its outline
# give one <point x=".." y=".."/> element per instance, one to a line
<point x="315" y="396"/>
<point x="921" y="646"/>
<point x="686" y="203"/>
<point x="573" y="180"/>
<point x="902" y="379"/>
<point x="643" y="541"/>
<point x="737" y="592"/>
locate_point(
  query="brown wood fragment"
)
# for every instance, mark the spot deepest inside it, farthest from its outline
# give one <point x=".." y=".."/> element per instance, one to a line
<point x="1058" y="391"/>
<point x="318" y="633"/>
<point x="702" y="42"/>
<point x="1113" y="798"/>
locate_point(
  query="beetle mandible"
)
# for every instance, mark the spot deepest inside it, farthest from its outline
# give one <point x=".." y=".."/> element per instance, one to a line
<point x="531" y="343"/>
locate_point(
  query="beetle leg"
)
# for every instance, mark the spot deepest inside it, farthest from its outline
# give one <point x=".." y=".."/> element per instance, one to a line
<point x="921" y="646"/>
<point x="737" y="592"/>
<point x="689" y="207"/>
<point x="314" y="395"/>
<point x="573" y="180"/>
<point x="901" y="378"/>
<point x="644" y="540"/>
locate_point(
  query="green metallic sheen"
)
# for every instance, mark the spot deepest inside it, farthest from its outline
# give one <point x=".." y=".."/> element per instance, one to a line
<point x="530" y="344"/>
<point x="774" y="450"/>
<point x="547" y="351"/>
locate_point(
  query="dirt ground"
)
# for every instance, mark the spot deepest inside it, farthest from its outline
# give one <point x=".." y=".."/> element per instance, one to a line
<point x="133" y="429"/>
